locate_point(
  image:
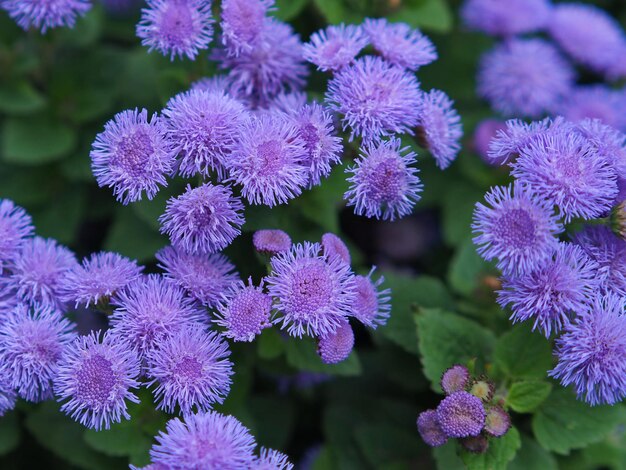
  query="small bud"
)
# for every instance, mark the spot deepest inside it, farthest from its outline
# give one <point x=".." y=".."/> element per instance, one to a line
<point x="483" y="389"/>
<point x="475" y="444"/>
<point x="618" y="220"/>
<point x="430" y="430"/>
<point x="497" y="421"/>
<point x="455" y="379"/>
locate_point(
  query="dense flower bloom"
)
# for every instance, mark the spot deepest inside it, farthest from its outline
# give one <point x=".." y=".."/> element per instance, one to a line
<point x="595" y="102"/>
<point x="150" y="310"/>
<point x="497" y="421"/>
<point x="383" y="182"/>
<point x="271" y="241"/>
<point x="32" y="341"/>
<point x="47" y="14"/>
<point x="96" y="378"/>
<point x="38" y="272"/>
<point x="461" y="415"/>
<point x="191" y="369"/>
<point x="514" y="228"/>
<point x="608" y="141"/>
<point x="484" y="133"/>
<point x="268" y="160"/>
<point x="15" y="227"/>
<point x="400" y="44"/>
<point x="336" y="346"/>
<point x="177" y="28"/>
<point x="333" y="48"/>
<point x="132" y="155"/>
<point x="375" y="98"/>
<point x="205" y="127"/>
<point x="272" y="460"/>
<point x="334" y="246"/>
<point x="205" y="219"/>
<point x="288" y="103"/>
<point x="372" y="305"/>
<point x="8" y="397"/>
<point x="99" y="276"/>
<point x="591" y="352"/>
<point x="553" y="291"/>
<point x="245" y="311"/>
<point x="313" y="292"/>
<point x="213" y="84"/>
<point x="517" y="134"/>
<point x="455" y="379"/>
<point x="430" y="430"/>
<point x="204" y="440"/>
<point x="243" y="22"/>
<point x="204" y="277"/>
<point x="8" y="297"/>
<point x="439" y="127"/>
<point x="524" y="77"/>
<point x="508" y="18"/>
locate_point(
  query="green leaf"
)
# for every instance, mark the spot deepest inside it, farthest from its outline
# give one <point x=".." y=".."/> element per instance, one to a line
<point x="122" y="440"/>
<point x="131" y="237"/>
<point x="149" y="210"/>
<point x="466" y="269"/>
<point x="430" y="14"/>
<point x="525" y="396"/>
<point x="274" y="418"/>
<point x="383" y="443"/>
<point x="446" y="339"/>
<point x="458" y="209"/>
<point x="33" y="141"/>
<point x="522" y="354"/>
<point x="19" y="97"/>
<point x="302" y="355"/>
<point x="10" y="433"/>
<point x="531" y="455"/>
<point x="447" y="458"/>
<point x="564" y="423"/>
<point x="288" y="9"/>
<point x="500" y="452"/>
<point x="61" y="216"/>
<point x="336" y="11"/>
<point x="270" y="344"/>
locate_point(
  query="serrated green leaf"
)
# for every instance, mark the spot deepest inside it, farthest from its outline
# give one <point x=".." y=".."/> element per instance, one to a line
<point x="336" y="11"/>
<point x="525" y="396"/>
<point x="37" y="140"/>
<point x="447" y="458"/>
<point x="466" y="269"/>
<point x="430" y="15"/>
<point x="302" y="355"/>
<point x="270" y="344"/>
<point x="20" y="97"/>
<point x="500" y="452"/>
<point x="10" y="433"/>
<point x="121" y="440"/>
<point x="132" y="237"/>
<point x="287" y="9"/>
<point x="458" y="208"/>
<point x="532" y="456"/>
<point x="61" y="216"/>
<point x="522" y="354"/>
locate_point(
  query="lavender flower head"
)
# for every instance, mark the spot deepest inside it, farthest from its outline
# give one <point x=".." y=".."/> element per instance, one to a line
<point x="439" y="127"/>
<point x="205" y="127"/>
<point x="430" y="430"/>
<point x="400" y="44"/>
<point x="335" y="47"/>
<point x="272" y="460"/>
<point x="204" y="277"/>
<point x="243" y="22"/>
<point x="461" y="415"/>
<point x="15" y="227"/>
<point x="484" y="133"/>
<point x="524" y="77"/>
<point x="99" y="276"/>
<point x="455" y="379"/>
<point x="497" y="421"/>
<point x="271" y="241"/>
<point x="372" y="305"/>
<point x="132" y="155"/>
<point x="177" y="28"/>
<point x="204" y="440"/>
<point x="313" y="292"/>
<point x="95" y="379"/>
<point x="515" y="229"/>
<point x="8" y="398"/>
<point x="608" y="141"/>
<point x="213" y="84"/>
<point x="205" y="219"/>
<point x="245" y="311"/>
<point x="375" y="98"/>
<point x="336" y="346"/>
<point x="517" y="134"/>
<point x="591" y="352"/>
<point x="551" y="293"/>
<point x="383" y="182"/>
<point x="32" y="341"/>
<point x="288" y="103"/>
<point x="508" y="18"/>
<point x="45" y="15"/>
<point x="334" y="246"/>
<point x="595" y="102"/>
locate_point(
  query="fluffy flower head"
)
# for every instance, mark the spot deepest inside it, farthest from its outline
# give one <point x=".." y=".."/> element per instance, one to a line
<point x="508" y="18"/>
<point x="430" y="430"/>
<point x="333" y="48"/>
<point x="272" y="460"/>
<point x="271" y="241"/>
<point x="337" y="346"/>
<point x="242" y="24"/>
<point x="372" y="305"/>
<point x="15" y="227"/>
<point x="455" y="379"/>
<point x="47" y="14"/>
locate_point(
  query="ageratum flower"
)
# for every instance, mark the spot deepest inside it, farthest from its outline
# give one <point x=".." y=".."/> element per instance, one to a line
<point x="270" y="459"/>
<point x="595" y="102"/>
<point x="485" y="132"/>
<point x="8" y="397"/>
<point x="288" y="103"/>
<point x="99" y="276"/>
<point x="213" y="84"/>
<point x="400" y="44"/>
<point x="554" y="291"/>
<point x="383" y="182"/>
<point x="8" y="298"/>
<point x="95" y="378"/>
<point x="483" y="388"/>
<point x="47" y="14"/>
<point x="190" y="370"/>
<point x="335" y="47"/>
<point x="202" y="220"/>
<point x="497" y="421"/>
<point x="524" y="77"/>
<point x="204" y="440"/>
<point x="313" y="292"/>
<point x="430" y="430"/>
<point x="133" y="155"/>
<point x="334" y="246"/>
<point x="268" y="160"/>
<point x="508" y="142"/>
<point x="439" y="127"/>
<point x="32" y="341"/>
<point x="243" y="22"/>
<point x="516" y="229"/>
<point x="271" y="241"/>
<point x="461" y="415"/>
<point x="375" y="98"/>
<point x="15" y="227"/>
<point x="509" y="18"/>
<point x="607" y="141"/>
<point x="177" y="28"/>
<point x="372" y="305"/>
<point x="204" y="277"/>
<point x="591" y="352"/>
<point x="336" y="346"/>
<point x="205" y="127"/>
<point x="455" y="379"/>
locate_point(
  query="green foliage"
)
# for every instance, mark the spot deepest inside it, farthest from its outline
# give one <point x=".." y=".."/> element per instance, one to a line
<point x="10" y="433"/>
<point x="531" y="455"/>
<point x="522" y="354"/>
<point x="500" y="452"/>
<point x="302" y="355"/>
<point x="525" y="396"/>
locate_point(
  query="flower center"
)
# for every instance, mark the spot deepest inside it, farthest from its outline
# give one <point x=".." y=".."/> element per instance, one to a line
<point x="95" y="380"/>
<point x="515" y="228"/>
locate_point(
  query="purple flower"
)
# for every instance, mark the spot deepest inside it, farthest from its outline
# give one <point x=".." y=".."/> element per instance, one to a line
<point x="191" y="370"/>
<point x="205" y="127"/>
<point x="38" y="272"/>
<point x="508" y="18"/>
<point x="335" y="47"/>
<point x="383" y="182"/>
<point x="245" y="311"/>
<point x="517" y="134"/>
<point x="271" y="241"/>
<point x="288" y="103"/>
<point x="243" y="23"/>
<point x="214" y="84"/>
<point x="375" y="98"/>
<point x="372" y="305"/>
<point x="524" y="77"/>
<point x="99" y="277"/>
<point x="430" y="430"/>
<point x="8" y="297"/>
<point x="516" y="229"/>
<point x="202" y="220"/>
<point x="455" y="379"/>
<point x="268" y="161"/>
<point x="461" y="415"/>
<point x="132" y="155"/>
<point x="334" y="246"/>
<point x="47" y="14"/>
<point x="177" y="28"/>
<point x="32" y="341"/>
<point x="475" y="444"/>
<point x="204" y="440"/>
<point x="336" y="346"/>
<point x="607" y="141"/>
<point x="400" y="44"/>
<point x="96" y="377"/>
<point x="551" y="293"/>
<point x="150" y="310"/>
<point x="313" y="292"/>
<point x="272" y="460"/>
<point x="204" y="277"/>
<point x="484" y="133"/>
<point x="439" y="127"/>
<point x="595" y="102"/>
<point x="8" y="397"/>
<point x="591" y="352"/>
<point x="497" y="421"/>
<point x="15" y="227"/>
